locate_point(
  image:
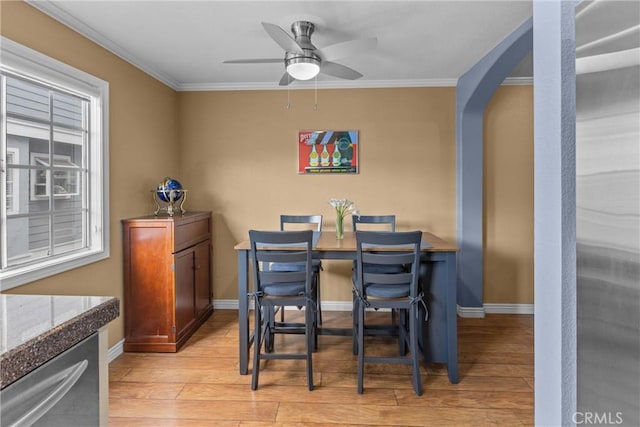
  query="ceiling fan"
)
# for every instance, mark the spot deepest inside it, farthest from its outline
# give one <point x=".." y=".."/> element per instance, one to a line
<point x="302" y="60"/>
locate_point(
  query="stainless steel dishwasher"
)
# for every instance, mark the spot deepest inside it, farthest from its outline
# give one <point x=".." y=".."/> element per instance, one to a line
<point x="63" y="392"/>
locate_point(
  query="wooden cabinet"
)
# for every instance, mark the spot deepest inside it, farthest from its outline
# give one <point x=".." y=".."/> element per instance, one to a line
<point x="167" y="280"/>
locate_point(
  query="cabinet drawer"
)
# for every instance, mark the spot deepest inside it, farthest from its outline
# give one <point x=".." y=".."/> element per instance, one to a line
<point x="188" y="233"/>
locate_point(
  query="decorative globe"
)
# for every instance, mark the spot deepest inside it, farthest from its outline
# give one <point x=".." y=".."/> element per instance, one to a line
<point x="165" y="187"/>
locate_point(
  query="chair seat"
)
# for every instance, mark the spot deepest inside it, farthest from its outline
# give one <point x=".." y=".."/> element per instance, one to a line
<point x="316" y="264"/>
<point x="377" y="290"/>
<point x="284" y="289"/>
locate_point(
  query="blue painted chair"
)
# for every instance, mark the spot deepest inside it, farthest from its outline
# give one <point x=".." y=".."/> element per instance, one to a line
<point x="373" y="223"/>
<point x="279" y="289"/>
<point x="395" y="290"/>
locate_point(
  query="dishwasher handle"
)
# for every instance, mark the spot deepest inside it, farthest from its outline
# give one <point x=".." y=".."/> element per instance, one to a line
<point x="67" y="379"/>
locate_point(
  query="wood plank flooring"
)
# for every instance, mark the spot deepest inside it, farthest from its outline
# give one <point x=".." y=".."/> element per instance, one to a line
<point x="200" y="385"/>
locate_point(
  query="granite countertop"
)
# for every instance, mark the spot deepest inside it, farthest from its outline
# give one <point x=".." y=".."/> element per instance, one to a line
<point x="36" y="328"/>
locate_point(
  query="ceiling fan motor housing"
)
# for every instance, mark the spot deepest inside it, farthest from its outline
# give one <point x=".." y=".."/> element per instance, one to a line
<point x="307" y="57"/>
<point x="302" y="31"/>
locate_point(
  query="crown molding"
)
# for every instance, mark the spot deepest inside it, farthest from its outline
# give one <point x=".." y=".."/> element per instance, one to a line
<point x="342" y="84"/>
<point x="54" y="11"/>
<point x="517" y="81"/>
<point x="338" y="84"/>
<point x="48" y="7"/>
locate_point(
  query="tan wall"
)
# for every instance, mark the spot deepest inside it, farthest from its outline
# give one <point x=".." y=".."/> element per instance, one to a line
<point x="142" y="142"/>
<point x="508" y="196"/>
<point x="239" y="160"/>
<point x="236" y="153"/>
<point x="240" y="154"/>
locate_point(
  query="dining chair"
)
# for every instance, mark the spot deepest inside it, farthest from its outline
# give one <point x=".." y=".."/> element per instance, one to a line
<point x="373" y="223"/>
<point x="397" y="290"/>
<point x="313" y="222"/>
<point x="282" y="288"/>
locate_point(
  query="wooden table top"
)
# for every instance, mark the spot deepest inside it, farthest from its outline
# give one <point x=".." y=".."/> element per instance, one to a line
<point x="328" y="242"/>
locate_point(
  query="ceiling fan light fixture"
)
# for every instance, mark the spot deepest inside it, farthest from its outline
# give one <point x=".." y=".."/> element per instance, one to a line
<point x="303" y="67"/>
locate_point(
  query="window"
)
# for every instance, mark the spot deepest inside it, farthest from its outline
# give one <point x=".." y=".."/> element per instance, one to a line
<point x="54" y="173"/>
<point x="65" y="174"/>
<point x="11" y="183"/>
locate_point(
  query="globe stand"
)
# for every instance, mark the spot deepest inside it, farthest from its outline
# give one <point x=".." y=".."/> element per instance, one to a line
<point x="169" y="206"/>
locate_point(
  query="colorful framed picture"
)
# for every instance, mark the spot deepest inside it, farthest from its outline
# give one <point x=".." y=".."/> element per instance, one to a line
<point x="327" y="151"/>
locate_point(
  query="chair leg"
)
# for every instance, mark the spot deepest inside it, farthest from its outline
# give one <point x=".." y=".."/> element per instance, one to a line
<point x="354" y="319"/>
<point x="257" y="343"/>
<point x="314" y="326"/>
<point x="310" y="336"/>
<point x="269" y="316"/>
<point x="403" y="327"/>
<point x="413" y="337"/>
<point x="360" y="321"/>
<point x="318" y="299"/>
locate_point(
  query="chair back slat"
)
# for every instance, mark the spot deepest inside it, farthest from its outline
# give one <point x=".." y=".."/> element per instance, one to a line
<point x="314" y="221"/>
<point x="293" y="257"/>
<point x="386" y="258"/>
<point x="388" y="222"/>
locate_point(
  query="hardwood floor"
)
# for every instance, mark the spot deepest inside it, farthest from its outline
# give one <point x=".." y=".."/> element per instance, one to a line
<point x="200" y="385"/>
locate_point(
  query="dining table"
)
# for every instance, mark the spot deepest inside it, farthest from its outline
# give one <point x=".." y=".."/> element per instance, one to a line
<point x="438" y="336"/>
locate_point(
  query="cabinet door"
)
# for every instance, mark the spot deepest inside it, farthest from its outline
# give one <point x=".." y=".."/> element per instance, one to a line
<point x="184" y="289"/>
<point x="148" y="279"/>
<point x="202" y="277"/>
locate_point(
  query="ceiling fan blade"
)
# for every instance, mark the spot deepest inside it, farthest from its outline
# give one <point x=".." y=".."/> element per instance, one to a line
<point x="338" y="70"/>
<point x="344" y="49"/>
<point x="286" y="79"/>
<point x="254" y="61"/>
<point x="281" y="37"/>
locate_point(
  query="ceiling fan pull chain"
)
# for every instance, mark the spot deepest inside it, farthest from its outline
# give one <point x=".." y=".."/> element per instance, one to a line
<point x="288" y="93"/>
<point x="315" y="106"/>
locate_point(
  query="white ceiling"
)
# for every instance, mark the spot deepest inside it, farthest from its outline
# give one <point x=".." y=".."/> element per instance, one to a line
<point x="183" y="43"/>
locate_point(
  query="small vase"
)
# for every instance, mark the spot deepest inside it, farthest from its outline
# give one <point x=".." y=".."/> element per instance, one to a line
<point x="339" y="227"/>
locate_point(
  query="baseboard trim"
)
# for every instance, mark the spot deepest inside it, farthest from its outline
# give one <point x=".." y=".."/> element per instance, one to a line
<point x="471" y="312"/>
<point x="226" y="304"/>
<point x="489" y="308"/>
<point x="115" y="351"/>
<point x="232" y="304"/>
<point x="492" y="308"/>
<point x="508" y="308"/>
